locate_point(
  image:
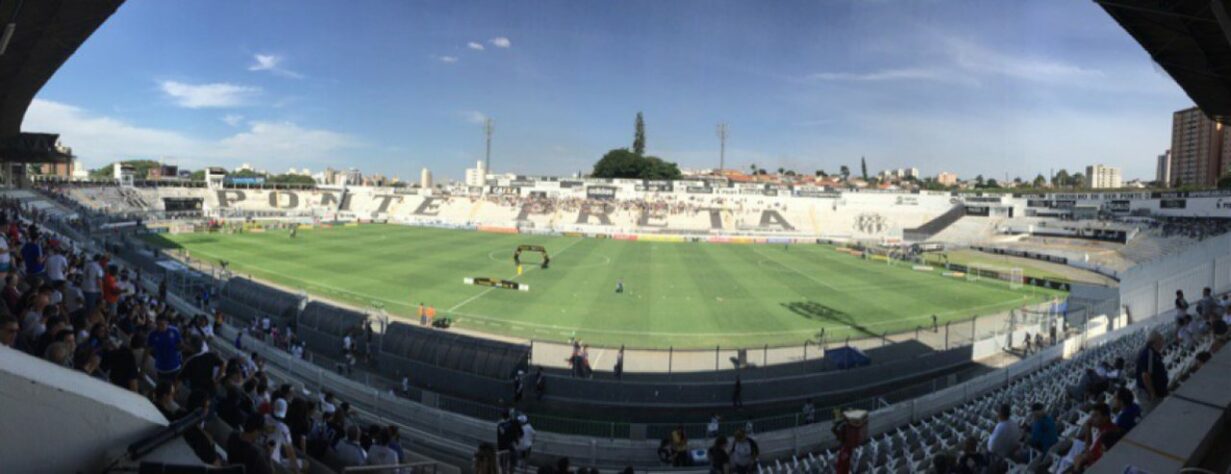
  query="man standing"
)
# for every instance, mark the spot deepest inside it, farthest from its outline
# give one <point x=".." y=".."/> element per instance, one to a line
<point x="518" y="386"/>
<point x="508" y="435"/>
<point x="165" y="344"/>
<point x="619" y="364"/>
<point x="422" y="315"/>
<point x="32" y="255"/>
<point x="1151" y="376"/>
<point x="540" y="384"/>
<point x="56" y="266"/>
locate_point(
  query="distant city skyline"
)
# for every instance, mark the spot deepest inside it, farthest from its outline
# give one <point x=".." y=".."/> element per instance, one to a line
<point x="998" y="88"/>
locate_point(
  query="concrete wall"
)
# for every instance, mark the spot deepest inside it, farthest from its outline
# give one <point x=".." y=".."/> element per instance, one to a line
<point x="1149" y="288"/>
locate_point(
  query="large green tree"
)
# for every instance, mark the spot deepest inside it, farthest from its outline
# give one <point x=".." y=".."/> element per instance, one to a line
<point x="639" y="136"/>
<point x="1039" y="181"/>
<point x="1060" y="179"/>
<point x="845" y="171"/>
<point x="863" y="165"/>
<point x="622" y="163"/>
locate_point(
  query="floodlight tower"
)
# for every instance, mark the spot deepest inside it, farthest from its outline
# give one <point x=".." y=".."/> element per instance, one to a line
<point x="722" y="146"/>
<point x="487" y="133"/>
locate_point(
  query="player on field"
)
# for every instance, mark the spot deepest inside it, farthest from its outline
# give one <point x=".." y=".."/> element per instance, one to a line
<point x="620" y="286"/>
<point x="294" y="230"/>
<point x="422" y="315"/>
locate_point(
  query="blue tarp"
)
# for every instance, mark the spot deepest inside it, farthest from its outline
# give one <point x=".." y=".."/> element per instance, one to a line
<point x="846" y="357"/>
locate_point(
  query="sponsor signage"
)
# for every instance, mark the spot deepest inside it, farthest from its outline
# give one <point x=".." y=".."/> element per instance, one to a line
<point x="1118" y="205"/>
<point x="1064" y="204"/>
<point x="817" y="193"/>
<point x="983" y="199"/>
<point x="770" y="192"/>
<point x="978" y="211"/>
<point x="1038" y="203"/>
<point x="246" y="181"/>
<point x="600" y="192"/>
<point x="1223" y="204"/>
<point x="527" y="183"/>
<point x="656" y="186"/>
<point x="699" y="190"/>
<point x="1173" y="203"/>
<point x="1192" y="194"/>
<point x="571" y="184"/>
<point x="907" y="201"/>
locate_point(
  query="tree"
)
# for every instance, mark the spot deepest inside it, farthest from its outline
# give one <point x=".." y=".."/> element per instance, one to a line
<point x="752" y="169"/>
<point x="821" y="174"/>
<point x="639" y="136"/>
<point x="198" y="175"/>
<point x="781" y="171"/>
<point x="845" y="172"/>
<point x="1225" y="181"/>
<point x="1040" y="181"/>
<point x="1078" y="180"/>
<point x="622" y="163"/>
<point x="863" y="164"/>
<point x="979" y="181"/>
<point x="991" y="183"/>
<point x="1061" y="179"/>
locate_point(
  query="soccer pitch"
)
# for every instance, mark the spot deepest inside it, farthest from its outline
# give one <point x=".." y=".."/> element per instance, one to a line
<point x="685" y="295"/>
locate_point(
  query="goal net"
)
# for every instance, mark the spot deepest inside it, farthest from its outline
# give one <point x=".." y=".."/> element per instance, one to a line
<point x="1016" y="278"/>
<point x="973" y="273"/>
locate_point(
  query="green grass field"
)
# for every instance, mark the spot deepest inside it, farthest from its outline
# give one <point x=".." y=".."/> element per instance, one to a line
<point x="677" y="294"/>
<point x="1031" y="268"/>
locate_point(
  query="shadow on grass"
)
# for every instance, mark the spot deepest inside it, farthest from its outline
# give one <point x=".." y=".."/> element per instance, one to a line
<point x="816" y="311"/>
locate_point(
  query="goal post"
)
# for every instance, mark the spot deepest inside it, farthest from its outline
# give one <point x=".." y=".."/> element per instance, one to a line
<point x="1016" y="278"/>
<point x="972" y="272"/>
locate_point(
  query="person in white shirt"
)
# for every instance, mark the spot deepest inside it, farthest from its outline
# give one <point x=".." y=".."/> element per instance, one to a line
<point x="91" y="285"/>
<point x="283" y="451"/>
<point x="1005" y="436"/>
<point x="6" y="260"/>
<point x="526" y="443"/>
<point x="56" y="265"/>
<point x="380" y="454"/>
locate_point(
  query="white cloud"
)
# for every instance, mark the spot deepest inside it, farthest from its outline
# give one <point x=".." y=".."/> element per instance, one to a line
<point x="977" y="59"/>
<point x="500" y="42"/>
<point x="447" y="59"/>
<point x="274" y="140"/>
<point x="474" y="116"/>
<point x="964" y="62"/>
<point x="100" y="140"/>
<point x="198" y="96"/>
<point x="475" y="46"/>
<point x="233" y="119"/>
<point x="273" y="64"/>
<point x="904" y="74"/>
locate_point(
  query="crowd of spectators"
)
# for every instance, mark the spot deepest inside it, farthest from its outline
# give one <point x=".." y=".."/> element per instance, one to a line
<point x="83" y="311"/>
<point x="1193" y="228"/>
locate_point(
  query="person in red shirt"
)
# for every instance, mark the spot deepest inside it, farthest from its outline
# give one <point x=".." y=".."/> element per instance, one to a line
<point x="111" y="290"/>
<point x="1099" y="434"/>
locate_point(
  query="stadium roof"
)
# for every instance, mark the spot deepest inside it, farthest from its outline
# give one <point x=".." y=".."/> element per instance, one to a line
<point x="1190" y="39"/>
<point x="45" y="34"/>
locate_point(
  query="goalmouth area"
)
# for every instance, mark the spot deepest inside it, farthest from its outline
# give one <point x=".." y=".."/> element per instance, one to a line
<point x="676" y="295"/>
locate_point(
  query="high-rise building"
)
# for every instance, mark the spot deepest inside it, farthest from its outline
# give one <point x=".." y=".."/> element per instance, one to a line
<point x="946" y="178"/>
<point x="476" y="176"/>
<point x="1103" y="177"/>
<point x="1162" y="172"/>
<point x="1200" y="149"/>
<point x="425" y="179"/>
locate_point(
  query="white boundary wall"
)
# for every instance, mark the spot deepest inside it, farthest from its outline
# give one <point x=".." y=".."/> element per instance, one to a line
<point x="1149" y="288"/>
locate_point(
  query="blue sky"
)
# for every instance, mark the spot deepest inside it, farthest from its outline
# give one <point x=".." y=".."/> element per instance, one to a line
<point x="974" y="87"/>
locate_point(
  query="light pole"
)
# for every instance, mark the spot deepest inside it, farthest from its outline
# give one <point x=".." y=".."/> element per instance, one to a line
<point x="487" y="134"/>
<point x="722" y="146"/>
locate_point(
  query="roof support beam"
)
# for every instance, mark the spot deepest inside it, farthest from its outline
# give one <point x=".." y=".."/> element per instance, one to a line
<point x="1153" y="11"/>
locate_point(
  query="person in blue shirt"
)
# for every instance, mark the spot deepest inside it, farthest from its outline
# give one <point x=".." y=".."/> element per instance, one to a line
<point x="1043" y="429"/>
<point x="32" y="254"/>
<point x="165" y="345"/>
<point x="1127" y="411"/>
<point x="1151" y="373"/>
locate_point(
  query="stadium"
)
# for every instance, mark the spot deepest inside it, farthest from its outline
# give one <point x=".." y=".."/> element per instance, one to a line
<point x="549" y="323"/>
